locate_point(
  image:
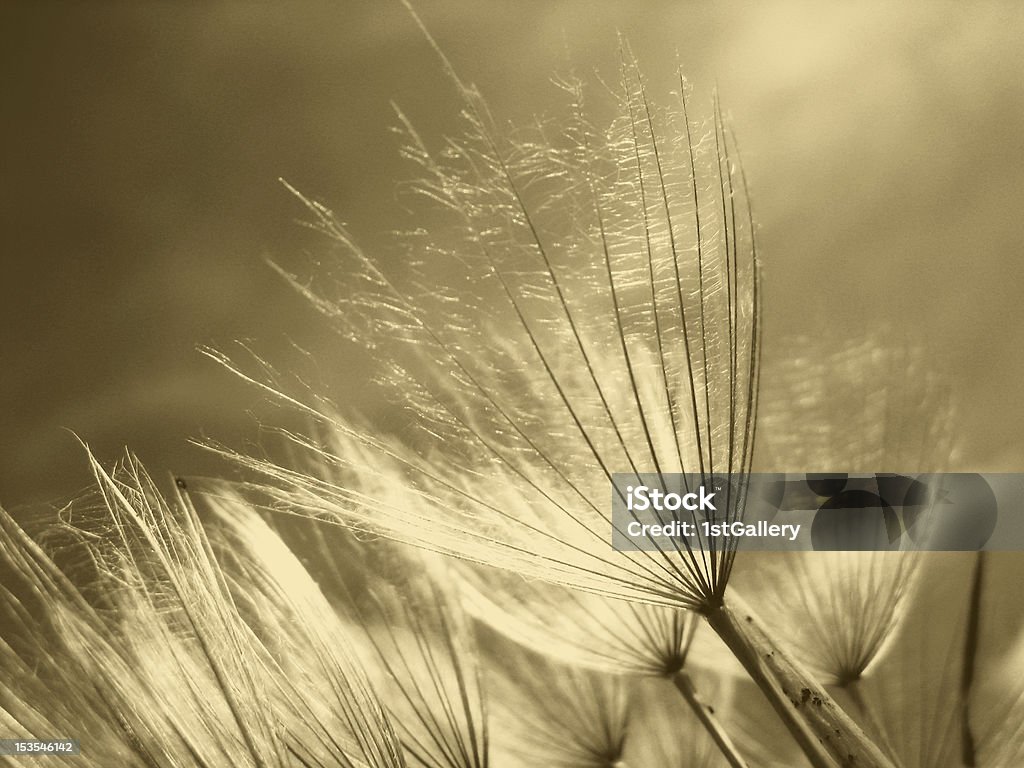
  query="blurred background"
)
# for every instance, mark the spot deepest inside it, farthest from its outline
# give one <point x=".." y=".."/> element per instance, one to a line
<point x="142" y="143"/>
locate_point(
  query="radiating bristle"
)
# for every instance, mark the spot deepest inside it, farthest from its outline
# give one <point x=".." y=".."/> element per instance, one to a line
<point x="863" y="406"/>
<point x="584" y="301"/>
<point x="399" y="613"/>
<point x="577" y="628"/>
<point x="586" y="304"/>
<point x="190" y="659"/>
<point x="554" y="714"/>
<point x="939" y="693"/>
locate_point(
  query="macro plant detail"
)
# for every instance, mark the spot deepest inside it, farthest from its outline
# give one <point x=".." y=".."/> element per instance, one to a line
<point x="576" y="298"/>
<point x="599" y="309"/>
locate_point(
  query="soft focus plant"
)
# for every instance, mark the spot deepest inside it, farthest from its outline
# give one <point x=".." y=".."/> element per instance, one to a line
<point x="584" y="301"/>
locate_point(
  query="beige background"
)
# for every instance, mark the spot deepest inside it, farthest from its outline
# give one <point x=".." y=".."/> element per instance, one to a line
<point x="141" y="145"/>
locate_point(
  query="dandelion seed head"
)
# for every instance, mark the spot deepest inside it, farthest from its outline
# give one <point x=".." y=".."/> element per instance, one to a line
<point x="188" y="657"/>
<point x="552" y="714"/>
<point x="584" y="302"/>
<point x="581" y="629"/>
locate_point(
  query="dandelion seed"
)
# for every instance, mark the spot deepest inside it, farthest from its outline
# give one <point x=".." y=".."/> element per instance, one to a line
<point x="940" y="694"/>
<point x="605" y="319"/>
<point x="579" y="346"/>
<point x="576" y="628"/>
<point x="554" y="714"/>
<point x="868" y="407"/>
<point x="403" y="621"/>
<point x="181" y="663"/>
<point x="609" y="636"/>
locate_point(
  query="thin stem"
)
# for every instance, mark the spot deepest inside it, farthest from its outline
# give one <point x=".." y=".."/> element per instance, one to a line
<point x="853" y="690"/>
<point x="826" y="734"/>
<point x="968" y="749"/>
<point x="706" y="714"/>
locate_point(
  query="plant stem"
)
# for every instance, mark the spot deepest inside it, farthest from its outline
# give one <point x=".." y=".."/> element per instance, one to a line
<point x="826" y="734"/>
<point x="853" y="691"/>
<point x="706" y="714"/>
<point x="968" y="748"/>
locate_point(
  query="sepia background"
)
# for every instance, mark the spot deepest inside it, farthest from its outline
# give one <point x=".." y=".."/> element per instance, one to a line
<point x="142" y="144"/>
